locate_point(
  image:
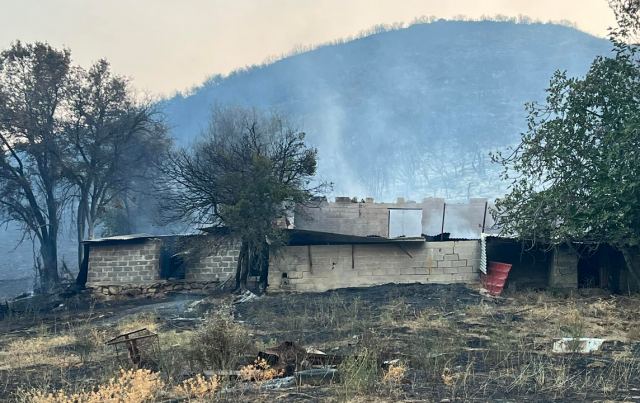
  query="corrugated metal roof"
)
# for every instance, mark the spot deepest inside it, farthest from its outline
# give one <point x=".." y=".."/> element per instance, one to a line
<point x="299" y="237"/>
<point x="128" y="237"/>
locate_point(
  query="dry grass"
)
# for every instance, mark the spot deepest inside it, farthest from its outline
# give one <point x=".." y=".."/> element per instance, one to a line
<point x="482" y="350"/>
<point x="53" y="350"/>
<point x="259" y="371"/>
<point x="198" y="387"/>
<point x="130" y="386"/>
<point x="140" y="321"/>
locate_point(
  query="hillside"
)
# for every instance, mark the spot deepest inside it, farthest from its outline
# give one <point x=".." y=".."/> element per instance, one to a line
<point x="411" y="112"/>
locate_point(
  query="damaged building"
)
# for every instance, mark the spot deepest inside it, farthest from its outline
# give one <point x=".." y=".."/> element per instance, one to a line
<point x="350" y="243"/>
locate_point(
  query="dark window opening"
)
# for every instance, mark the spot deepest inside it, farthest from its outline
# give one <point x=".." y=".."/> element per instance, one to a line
<point x="588" y="272"/>
<point x="172" y="266"/>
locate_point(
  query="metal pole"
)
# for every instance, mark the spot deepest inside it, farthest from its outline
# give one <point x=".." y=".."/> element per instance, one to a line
<point x="444" y="209"/>
<point x="484" y="218"/>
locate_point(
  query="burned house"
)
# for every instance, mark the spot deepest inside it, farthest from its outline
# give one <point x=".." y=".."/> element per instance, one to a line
<point x="141" y="264"/>
<point x="350" y="243"/>
<point x="574" y="265"/>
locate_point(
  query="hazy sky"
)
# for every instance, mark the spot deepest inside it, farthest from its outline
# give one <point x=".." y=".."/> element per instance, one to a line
<point x="169" y="45"/>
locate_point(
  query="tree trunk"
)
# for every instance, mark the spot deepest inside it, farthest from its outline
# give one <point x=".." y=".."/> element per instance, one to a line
<point x="242" y="269"/>
<point x="80" y="228"/>
<point x="49" y="278"/>
<point x="264" y="267"/>
<point x="631" y="259"/>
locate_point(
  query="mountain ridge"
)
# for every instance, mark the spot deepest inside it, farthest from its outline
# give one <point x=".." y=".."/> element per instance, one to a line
<point x="433" y="85"/>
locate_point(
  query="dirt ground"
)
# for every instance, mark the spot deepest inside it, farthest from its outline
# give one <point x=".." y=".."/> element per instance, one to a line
<point x="450" y="342"/>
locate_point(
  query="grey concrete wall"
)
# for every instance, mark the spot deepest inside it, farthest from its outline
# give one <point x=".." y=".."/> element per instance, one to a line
<point x="563" y="268"/>
<point x="325" y="267"/>
<point x="370" y="218"/>
<point x="122" y="263"/>
<point x="217" y="265"/>
<point x="138" y="262"/>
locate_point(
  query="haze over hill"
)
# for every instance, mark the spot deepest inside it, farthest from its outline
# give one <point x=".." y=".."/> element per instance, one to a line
<point x="410" y="112"/>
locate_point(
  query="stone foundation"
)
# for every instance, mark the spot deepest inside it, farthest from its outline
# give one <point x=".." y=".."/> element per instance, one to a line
<point x="152" y="289"/>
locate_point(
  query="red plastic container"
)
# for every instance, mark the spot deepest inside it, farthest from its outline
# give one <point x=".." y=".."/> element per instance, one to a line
<point x="496" y="276"/>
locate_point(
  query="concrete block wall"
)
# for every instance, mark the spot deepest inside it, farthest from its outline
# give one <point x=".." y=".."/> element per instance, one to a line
<point x="124" y="263"/>
<point x="369" y="218"/>
<point x="563" y="268"/>
<point x="218" y="265"/>
<point x="138" y="262"/>
<point x="325" y="267"/>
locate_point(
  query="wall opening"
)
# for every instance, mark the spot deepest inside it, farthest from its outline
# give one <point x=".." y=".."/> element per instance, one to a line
<point x="588" y="272"/>
<point x="172" y="265"/>
<point x="405" y="223"/>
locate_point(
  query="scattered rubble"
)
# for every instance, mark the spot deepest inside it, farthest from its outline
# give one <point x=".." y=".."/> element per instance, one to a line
<point x="577" y="345"/>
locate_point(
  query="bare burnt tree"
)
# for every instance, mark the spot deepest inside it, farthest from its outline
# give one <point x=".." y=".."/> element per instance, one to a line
<point x="112" y="143"/>
<point x="243" y="175"/>
<point x="68" y="134"/>
<point x="33" y="83"/>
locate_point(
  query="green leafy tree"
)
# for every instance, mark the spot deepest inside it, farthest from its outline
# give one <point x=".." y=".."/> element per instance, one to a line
<point x="244" y="175"/>
<point x="575" y="176"/>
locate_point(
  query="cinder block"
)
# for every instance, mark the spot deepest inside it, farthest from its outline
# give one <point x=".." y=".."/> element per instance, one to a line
<point x="458" y="263"/>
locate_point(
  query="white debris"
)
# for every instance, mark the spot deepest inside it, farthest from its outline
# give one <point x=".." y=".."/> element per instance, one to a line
<point x="577" y="345"/>
<point x="246" y="296"/>
<point x="311" y="350"/>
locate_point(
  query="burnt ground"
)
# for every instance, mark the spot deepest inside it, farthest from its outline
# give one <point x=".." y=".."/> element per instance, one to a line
<point x="452" y="342"/>
<point x="319" y="318"/>
<point x="460" y="345"/>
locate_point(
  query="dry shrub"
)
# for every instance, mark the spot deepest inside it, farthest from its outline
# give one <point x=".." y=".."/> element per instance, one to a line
<point x="359" y="373"/>
<point x="132" y="386"/>
<point x="574" y="323"/>
<point x="88" y="341"/>
<point x="448" y="377"/>
<point x="219" y="345"/>
<point x="259" y="371"/>
<point x="198" y="387"/>
<point x="395" y="374"/>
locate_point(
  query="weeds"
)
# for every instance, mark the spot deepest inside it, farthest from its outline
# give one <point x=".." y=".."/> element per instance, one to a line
<point x="395" y="374"/>
<point x="259" y="371"/>
<point x="130" y="386"/>
<point x="198" y="387"/>
<point x="359" y="373"/>
<point x="219" y="345"/>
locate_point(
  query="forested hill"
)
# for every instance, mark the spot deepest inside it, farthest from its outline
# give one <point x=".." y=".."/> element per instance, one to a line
<point x="410" y="112"/>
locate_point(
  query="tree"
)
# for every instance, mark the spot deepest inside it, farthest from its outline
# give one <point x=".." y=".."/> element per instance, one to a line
<point x="576" y="174"/>
<point x="112" y="143"/>
<point x="244" y="175"/>
<point x="33" y="81"/>
<point x="68" y="134"/>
